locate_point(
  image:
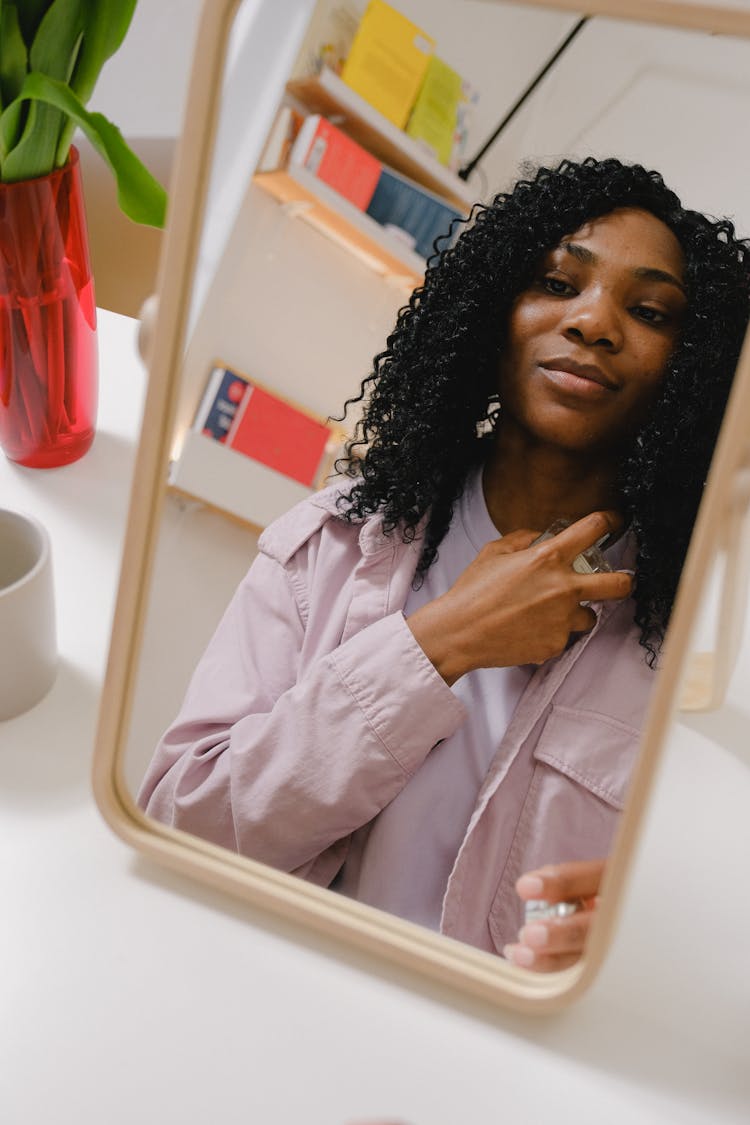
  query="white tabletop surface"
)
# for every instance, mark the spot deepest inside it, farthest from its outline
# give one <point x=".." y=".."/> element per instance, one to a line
<point x="131" y="994"/>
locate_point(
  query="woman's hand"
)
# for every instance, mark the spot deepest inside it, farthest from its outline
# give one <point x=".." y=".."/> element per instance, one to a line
<point x="557" y="943"/>
<point x="517" y="603"/>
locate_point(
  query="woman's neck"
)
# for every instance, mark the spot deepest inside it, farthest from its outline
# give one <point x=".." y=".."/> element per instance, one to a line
<point x="528" y="484"/>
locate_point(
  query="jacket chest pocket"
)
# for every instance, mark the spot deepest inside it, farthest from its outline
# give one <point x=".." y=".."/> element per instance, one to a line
<point x="581" y="768"/>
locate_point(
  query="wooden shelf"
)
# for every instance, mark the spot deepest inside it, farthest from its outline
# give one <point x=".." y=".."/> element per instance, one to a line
<point x="316" y="203"/>
<point x="231" y="483"/>
<point x="328" y="95"/>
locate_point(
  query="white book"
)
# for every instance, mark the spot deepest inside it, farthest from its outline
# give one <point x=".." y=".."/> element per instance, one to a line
<point x="303" y="142"/>
<point x="274" y="151"/>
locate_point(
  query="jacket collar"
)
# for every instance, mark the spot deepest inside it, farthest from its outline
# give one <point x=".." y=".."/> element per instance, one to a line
<point x="373" y="540"/>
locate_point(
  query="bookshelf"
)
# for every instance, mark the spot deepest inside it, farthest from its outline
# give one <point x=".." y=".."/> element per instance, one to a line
<point x="241" y="488"/>
<point x="313" y="201"/>
<point x="316" y="203"/>
<point x="211" y="473"/>
<point x="328" y="95"/>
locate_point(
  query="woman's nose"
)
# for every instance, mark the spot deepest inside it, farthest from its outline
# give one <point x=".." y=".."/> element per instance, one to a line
<point x="594" y="321"/>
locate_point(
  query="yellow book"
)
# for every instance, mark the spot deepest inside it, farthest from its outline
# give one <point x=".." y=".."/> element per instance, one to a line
<point x="433" y="119"/>
<point x="387" y="61"/>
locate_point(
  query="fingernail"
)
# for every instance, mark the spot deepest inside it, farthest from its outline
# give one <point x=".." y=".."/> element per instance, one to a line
<point x="519" y="955"/>
<point x="535" y="935"/>
<point x="530" y="886"/>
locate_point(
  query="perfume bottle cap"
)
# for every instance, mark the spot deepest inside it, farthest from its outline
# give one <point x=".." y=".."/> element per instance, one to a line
<point x="537" y="909"/>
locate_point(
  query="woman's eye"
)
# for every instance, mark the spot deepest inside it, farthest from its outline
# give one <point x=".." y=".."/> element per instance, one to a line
<point x="649" y="315"/>
<point x="557" y="286"/>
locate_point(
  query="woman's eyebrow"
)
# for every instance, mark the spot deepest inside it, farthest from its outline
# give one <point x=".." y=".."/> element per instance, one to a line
<point x="648" y="273"/>
<point x="644" y="273"/>
<point x="581" y="253"/>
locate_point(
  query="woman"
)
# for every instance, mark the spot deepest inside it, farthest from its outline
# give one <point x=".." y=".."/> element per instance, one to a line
<point x="411" y="700"/>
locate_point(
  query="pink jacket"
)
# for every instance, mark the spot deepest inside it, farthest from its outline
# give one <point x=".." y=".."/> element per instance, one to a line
<point x="313" y="705"/>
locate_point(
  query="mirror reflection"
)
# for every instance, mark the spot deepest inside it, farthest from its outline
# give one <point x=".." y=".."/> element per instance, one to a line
<point x="427" y="692"/>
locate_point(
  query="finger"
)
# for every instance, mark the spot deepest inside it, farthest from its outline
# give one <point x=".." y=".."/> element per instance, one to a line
<point x="517" y="540"/>
<point x="584" y="533"/>
<point x="582" y="620"/>
<point x="604" y="587"/>
<point x="558" y="935"/>
<point x="525" y="958"/>
<point x="562" y="882"/>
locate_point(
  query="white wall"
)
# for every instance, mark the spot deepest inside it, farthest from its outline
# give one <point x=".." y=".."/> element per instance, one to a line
<point x="675" y="101"/>
<point x="142" y="87"/>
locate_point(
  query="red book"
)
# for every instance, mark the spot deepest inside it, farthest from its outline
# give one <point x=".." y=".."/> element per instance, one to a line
<point x="337" y="160"/>
<point x="279" y="436"/>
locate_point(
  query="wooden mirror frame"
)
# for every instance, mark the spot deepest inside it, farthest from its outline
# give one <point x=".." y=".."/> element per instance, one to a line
<point x="719" y="522"/>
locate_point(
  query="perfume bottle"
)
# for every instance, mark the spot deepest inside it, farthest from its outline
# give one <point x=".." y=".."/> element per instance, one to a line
<point x="590" y="561"/>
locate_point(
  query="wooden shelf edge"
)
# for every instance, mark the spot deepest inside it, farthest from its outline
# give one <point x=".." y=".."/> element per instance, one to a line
<point x="238" y="521"/>
<point x="327" y="94"/>
<point x="241" y="488"/>
<point x="323" y="208"/>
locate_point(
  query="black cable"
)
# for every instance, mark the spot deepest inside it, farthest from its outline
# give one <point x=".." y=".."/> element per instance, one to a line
<point x="465" y="172"/>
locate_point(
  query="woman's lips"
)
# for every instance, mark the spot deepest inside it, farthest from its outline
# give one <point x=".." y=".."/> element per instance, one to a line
<point x="581" y="380"/>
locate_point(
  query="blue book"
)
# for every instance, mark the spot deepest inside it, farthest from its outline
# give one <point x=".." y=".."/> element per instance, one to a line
<point x="399" y="202"/>
<point x="224" y="392"/>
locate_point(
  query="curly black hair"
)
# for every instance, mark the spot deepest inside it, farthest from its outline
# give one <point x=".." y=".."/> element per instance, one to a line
<point x="433" y="390"/>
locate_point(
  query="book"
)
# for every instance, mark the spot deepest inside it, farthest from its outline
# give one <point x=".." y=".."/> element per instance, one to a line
<point x="387" y="61"/>
<point x="336" y="159"/>
<point x="330" y="33"/>
<point x="224" y="392"/>
<point x="280" y="140"/>
<point x="433" y="119"/>
<point x="465" y="112"/>
<point x="283" y="437"/>
<point x="400" y="202"/>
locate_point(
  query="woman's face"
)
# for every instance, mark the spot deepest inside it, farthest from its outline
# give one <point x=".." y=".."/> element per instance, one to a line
<point x="588" y="342"/>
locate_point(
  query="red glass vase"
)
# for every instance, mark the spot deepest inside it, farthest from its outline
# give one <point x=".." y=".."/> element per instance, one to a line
<point x="48" y="353"/>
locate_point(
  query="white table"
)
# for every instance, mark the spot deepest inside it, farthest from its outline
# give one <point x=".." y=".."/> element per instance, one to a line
<point x="131" y="994"/>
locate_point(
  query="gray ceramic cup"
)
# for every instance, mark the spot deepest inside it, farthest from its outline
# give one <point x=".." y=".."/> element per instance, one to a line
<point x="28" y="637"/>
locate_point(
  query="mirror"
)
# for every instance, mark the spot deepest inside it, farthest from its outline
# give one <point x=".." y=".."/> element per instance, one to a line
<point x="249" y="281"/>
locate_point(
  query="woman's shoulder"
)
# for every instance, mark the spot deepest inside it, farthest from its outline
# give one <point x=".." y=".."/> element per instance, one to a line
<point x="310" y="518"/>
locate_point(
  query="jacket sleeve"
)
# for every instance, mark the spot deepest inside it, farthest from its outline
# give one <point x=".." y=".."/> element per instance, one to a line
<point x="282" y="765"/>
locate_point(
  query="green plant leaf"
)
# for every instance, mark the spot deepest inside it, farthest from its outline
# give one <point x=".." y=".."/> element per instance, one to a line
<point x="11" y="120"/>
<point x="140" y="196"/>
<point x="105" y="26"/>
<point x="13" y="54"/>
<point x="53" y="52"/>
<point x="58" y="39"/>
<point x="30" y="15"/>
<point x="29" y="135"/>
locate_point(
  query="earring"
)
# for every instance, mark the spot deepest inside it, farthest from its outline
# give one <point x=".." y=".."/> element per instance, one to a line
<point x="488" y="424"/>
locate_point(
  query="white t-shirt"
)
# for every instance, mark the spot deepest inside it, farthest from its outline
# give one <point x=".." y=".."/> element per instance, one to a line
<point x="435" y="806"/>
